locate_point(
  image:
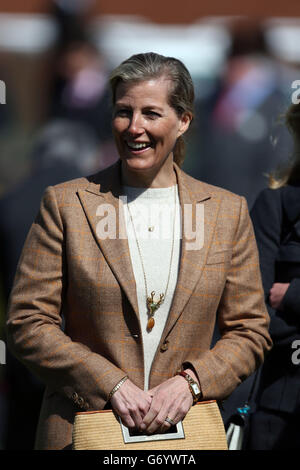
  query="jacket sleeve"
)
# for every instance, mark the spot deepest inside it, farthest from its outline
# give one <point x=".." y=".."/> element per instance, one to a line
<point x="291" y="300"/>
<point x="242" y="318"/>
<point x="34" y="325"/>
<point x="267" y="219"/>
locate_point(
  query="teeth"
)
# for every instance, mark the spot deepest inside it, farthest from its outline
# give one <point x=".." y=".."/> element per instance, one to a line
<point x="137" y="145"/>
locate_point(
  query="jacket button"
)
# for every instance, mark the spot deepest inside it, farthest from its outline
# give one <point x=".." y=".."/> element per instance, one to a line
<point x="164" y="346"/>
<point x="80" y="402"/>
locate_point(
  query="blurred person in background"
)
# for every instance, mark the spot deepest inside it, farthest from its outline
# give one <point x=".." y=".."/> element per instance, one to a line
<point x="80" y="90"/>
<point x="81" y="316"/>
<point x="240" y="136"/>
<point x="276" y="220"/>
<point x="62" y="150"/>
<point x="79" y="76"/>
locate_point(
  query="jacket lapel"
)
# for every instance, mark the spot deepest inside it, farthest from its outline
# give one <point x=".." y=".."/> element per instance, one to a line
<point x="192" y="193"/>
<point x="97" y="198"/>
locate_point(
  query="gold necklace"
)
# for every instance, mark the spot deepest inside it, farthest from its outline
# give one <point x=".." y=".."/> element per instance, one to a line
<point x="151" y="304"/>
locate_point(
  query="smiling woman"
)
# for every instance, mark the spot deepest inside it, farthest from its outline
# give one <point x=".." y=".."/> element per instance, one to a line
<point x="139" y="309"/>
<point x="146" y="129"/>
<point x="176" y="88"/>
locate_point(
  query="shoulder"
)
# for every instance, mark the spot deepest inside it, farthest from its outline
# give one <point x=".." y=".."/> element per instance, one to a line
<point x="63" y="194"/>
<point x="267" y="214"/>
<point x="267" y="199"/>
<point x="291" y="201"/>
<point x="105" y="179"/>
<point x="71" y="186"/>
<point x="282" y="200"/>
<point x="68" y="190"/>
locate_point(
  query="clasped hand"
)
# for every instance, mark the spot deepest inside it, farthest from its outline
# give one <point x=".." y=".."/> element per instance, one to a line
<point x="277" y="292"/>
<point x="147" y="410"/>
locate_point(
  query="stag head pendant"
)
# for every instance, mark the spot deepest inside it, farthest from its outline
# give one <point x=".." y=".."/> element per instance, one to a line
<point x="152" y="306"/>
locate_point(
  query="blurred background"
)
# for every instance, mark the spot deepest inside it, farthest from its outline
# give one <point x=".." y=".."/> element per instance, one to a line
<point x="55" y="58"/>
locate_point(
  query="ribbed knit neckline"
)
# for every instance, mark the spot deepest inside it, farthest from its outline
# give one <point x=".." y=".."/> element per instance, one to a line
<point x="133" y="192"/>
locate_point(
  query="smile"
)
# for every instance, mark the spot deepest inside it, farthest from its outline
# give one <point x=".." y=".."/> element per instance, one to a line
<point x="138" y="145"/>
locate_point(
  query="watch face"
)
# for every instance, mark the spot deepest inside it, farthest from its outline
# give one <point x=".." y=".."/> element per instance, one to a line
<point x="195" y="388"/>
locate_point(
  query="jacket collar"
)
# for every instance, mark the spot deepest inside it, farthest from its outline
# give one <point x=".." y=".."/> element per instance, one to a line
<point x="107" y="184"/>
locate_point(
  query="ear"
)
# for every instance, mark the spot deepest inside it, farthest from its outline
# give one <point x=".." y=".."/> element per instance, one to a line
<point x="185" y="121"/>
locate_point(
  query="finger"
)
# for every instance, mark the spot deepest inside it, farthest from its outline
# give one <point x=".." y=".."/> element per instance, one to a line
<point x="155" y="417"/>
<point x="148" y="418"/>
<point x="142" y="411"/>
<point x="127" y="420"/>
<point x="135" y="415"/>
<point x="178" y="411"/>
<point x="165" y="427"/>
<point x="157" y="422"/>
<point x="125" y="414"/>
<point x="173" y="417"/>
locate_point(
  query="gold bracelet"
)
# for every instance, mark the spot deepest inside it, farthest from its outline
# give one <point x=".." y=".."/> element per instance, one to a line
<point x="116" y="387"/>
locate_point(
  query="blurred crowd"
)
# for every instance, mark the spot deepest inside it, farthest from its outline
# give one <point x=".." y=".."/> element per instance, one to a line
<point x="236" y="139"/>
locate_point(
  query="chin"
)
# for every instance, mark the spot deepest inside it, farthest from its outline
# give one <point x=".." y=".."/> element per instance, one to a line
<point x="138" y="163"/>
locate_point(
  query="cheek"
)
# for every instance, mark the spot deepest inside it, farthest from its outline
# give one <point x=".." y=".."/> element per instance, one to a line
<point x="118" y="126"/>
<point x="162" y="133"/>
<point x="168" y="136"/>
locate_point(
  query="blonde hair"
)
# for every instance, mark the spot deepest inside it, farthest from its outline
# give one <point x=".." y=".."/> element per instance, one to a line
<point x="289" y="173"/>
<point x="150" y="65"/>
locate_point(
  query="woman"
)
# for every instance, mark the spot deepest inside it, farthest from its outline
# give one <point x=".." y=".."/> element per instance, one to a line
<point x="276" y="219"/>
<point x="138" y="307"/>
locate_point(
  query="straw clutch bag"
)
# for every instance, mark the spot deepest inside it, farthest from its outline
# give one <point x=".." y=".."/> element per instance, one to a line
<point x="201" y="429"/>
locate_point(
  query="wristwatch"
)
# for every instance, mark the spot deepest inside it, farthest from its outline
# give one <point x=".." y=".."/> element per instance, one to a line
<point x="194" y="387"/>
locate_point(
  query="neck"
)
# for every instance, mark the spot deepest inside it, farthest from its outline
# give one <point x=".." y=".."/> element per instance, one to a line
<point x="164" y="177"/>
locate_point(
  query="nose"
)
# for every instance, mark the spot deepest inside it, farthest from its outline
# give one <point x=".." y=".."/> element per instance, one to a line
<point x="136" y="124"/>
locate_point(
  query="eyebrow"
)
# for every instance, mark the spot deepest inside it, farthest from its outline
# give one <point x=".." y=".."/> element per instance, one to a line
<point x="153" y="107"/>
<point x="145" y="108"/>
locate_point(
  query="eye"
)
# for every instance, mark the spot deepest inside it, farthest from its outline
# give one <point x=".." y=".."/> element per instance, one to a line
<point x="122" y="112"/>
<point x="152" y="114"/>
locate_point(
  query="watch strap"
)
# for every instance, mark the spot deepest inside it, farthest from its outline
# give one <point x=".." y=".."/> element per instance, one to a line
<point x="190" y="381"/>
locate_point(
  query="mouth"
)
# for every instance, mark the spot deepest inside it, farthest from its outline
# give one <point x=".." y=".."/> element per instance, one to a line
<point x="138" y="147"/>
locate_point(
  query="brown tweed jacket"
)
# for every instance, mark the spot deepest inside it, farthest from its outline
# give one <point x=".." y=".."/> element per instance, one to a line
<point x="73" y="314"/>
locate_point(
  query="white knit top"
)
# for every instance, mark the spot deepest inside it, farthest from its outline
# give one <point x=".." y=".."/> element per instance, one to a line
<point x="153" y="207"/>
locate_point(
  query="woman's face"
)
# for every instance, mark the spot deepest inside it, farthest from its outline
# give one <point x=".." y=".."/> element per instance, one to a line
<point x="145" y="126"/>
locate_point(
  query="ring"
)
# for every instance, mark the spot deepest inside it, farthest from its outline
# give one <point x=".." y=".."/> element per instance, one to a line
<point x="170" y="421"/>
